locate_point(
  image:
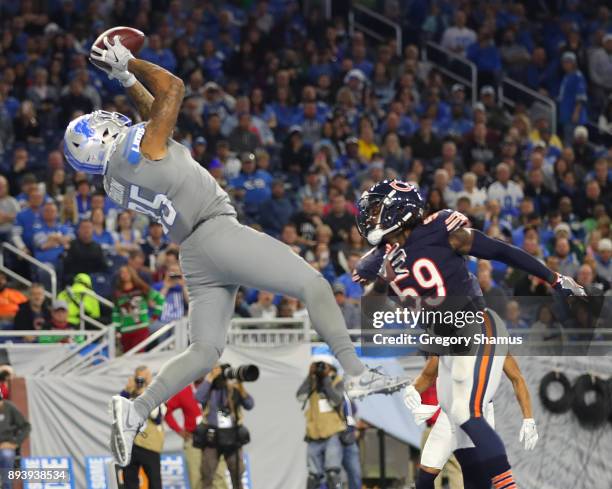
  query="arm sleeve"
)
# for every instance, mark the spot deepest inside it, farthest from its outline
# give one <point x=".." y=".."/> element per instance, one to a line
<point x="302" y="392"/>
<point x="40" y="239"/>
<point x="202" y="395"/>
<point x="247" y="402"/>
<point x="172" y="405"/>
<point x="21" y="320"/>
<point x="333" y="391"/>
<point x="17" y="234"/>
<point x="158" y="303"/>
<point x="494" y="249"/>
<point x="116" y="315"/>
<point x="22" y="427"/>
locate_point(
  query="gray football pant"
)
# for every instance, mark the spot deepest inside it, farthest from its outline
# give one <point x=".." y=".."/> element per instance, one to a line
<point x="217" y="257"/>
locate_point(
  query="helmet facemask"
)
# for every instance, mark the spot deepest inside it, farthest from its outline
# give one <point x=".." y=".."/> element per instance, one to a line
<point x="380" y="215"/>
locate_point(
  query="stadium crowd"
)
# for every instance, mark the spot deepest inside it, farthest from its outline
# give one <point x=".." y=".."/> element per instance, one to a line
<point x="294" y="117"/>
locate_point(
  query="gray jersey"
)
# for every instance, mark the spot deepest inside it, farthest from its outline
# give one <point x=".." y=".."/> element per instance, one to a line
<point x="175" y="191"/>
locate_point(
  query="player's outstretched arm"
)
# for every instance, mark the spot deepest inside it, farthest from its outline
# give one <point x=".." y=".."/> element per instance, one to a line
<point x="529" y="432"/>
<point x="141" y="98"/>
<point x="114" y="62"/>
<point x="168" y="91"/>
<point x="160" y="108"/>
<point x="423" y="381"/>
<point x="521" y="391"/>
<point x="428" y="375"/>
<point x="475" y="243"/>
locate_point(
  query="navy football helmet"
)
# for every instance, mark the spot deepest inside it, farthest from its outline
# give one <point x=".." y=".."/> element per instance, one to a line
<point x="388" y="206"/>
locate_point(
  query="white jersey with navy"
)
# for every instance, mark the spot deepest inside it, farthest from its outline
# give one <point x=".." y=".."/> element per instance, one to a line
<point x="175" y="191"/>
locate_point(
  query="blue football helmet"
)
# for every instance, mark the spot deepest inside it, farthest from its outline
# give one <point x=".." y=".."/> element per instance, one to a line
<point x="90" y="139"/>
<point x="388" y="206"/>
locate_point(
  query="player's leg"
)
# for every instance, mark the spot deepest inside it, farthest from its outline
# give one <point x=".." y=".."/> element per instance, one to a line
<point x="435" y="453"/>
<point x="247" y="257"/>
<point x="474" y="477"/>
<point x="470" y="378"/>
<point x="210" y="310"/>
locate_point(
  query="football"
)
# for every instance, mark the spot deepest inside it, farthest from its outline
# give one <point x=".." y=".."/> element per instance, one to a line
<point x="131" y="38"/>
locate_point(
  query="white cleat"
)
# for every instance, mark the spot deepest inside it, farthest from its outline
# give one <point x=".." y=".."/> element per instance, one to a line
<point x="125" y="426"/>
<point x="372" y="381"/>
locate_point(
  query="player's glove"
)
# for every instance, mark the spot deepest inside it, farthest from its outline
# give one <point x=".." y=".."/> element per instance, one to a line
<point x="567" y="286"/>
<point x="423" y="412"/>
<point x="412" y="399"/>
<point x="529" y="433"/>
<point x="117" y="56"/>
<point x="393" y="258"/>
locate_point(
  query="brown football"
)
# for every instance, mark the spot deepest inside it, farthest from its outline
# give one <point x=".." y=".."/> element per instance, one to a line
<point x="131" y="38"/>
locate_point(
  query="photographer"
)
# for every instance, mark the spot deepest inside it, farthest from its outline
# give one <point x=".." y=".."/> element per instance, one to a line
<point x="222" y="432"/>
<point x="323" y="394"/>
<point x="149" y="443"/>
<point x="14" y="429"/>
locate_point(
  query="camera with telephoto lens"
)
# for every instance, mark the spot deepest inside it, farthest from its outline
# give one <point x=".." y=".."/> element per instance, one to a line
<point x="140" y="382"/>
<point x="243" y="373"/>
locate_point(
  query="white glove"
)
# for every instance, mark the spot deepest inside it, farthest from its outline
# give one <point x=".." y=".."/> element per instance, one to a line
<point x="568" y="286"/>
<point x="423" y="412"/>
<point x="529" y="433"/>
<point x="412" y="399"/>
<point x="116" y="56"/>
<point x="394" y="257"/>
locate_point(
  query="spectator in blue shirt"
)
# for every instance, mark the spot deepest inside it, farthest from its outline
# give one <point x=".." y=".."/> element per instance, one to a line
<point x="458" y="125"/>
<point x="27" y="219"/>
<point x="541" y="74"/>
<point x="83" y="198"/>
<point x="485" y="55"/>
<point x="284" y="111"/>
<point x="572" y="97"/>
<point x="353" y="290"/>
<point x="275" y="212"/>
<point x="174" y="290"/>
<point x="156" y="53"/>
<point x="100" y="234"/>
<point x="252" y="186"/>
<point x="212" y="61"/>
<point x="50" y="237"/>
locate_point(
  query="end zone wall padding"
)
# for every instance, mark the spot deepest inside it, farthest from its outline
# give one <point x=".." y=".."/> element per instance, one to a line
<point x="69" y="414"/>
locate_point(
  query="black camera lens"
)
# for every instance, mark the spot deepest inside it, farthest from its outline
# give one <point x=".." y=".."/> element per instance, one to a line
<point x="140" y="381"/>
<point x="243" y="373"/>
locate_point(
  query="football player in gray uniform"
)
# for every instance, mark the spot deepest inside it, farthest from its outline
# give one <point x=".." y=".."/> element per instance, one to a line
<point x="147" y="171"/>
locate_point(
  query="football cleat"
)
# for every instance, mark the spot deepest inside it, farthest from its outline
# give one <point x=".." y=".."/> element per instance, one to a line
<point x="372" y="381"/>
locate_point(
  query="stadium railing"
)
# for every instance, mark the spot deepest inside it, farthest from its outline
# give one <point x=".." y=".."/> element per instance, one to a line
<point x="511" y="93"/>
<point x="268" y="332"/>
<point x="87" y="320"/>
<point x="453" y="66"/>
<point x="98" y="348"/>
<point x="375" y="25"/>
<point x="34" y="262"/>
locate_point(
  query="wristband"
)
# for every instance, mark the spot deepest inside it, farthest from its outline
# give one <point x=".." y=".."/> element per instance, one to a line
<point x="128" y="81"/>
